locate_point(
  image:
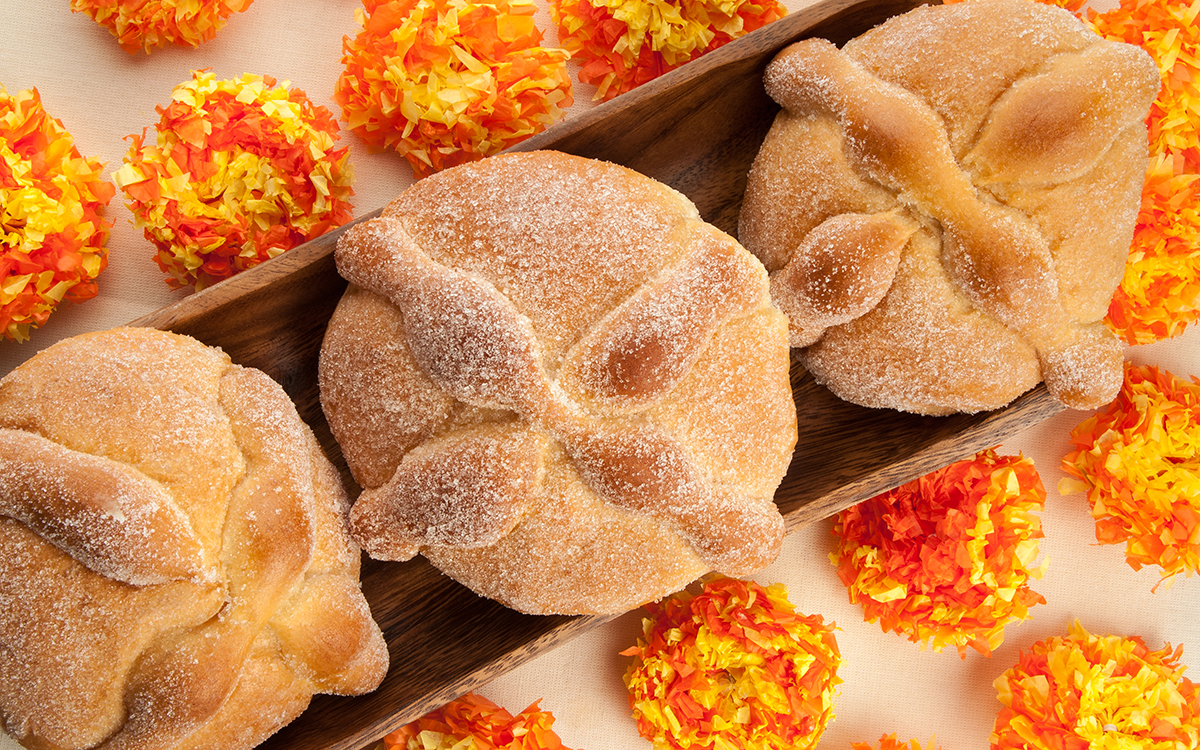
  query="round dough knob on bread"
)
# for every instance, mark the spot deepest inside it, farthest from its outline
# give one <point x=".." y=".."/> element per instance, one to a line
<point x="945" y="205"/>
<point x="559" y="384"/>
<point x="176" y="570"/>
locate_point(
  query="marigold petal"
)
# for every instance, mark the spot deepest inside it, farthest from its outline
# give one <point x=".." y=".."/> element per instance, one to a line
<point x="889" y="742"/>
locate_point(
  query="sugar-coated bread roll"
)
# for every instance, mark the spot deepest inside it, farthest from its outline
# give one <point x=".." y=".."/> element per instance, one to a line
<point x="946" y="205"/>
<point x="175" y="570"/>
<point x="558" y="384"/>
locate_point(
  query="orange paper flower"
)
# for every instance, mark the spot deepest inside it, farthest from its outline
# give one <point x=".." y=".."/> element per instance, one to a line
<point x="1137" y="460"/>
<point x="52" y="239"/>
<point x="239" y="172"/>
<point x="1159" y="295"/>
<point x="889" y="742"/>
<point x="444" y="82"/>
<point x="472" y="722"/>
<point x="1083" y="692"/>
<point x="732" y="667"/>
<point x="947" y="557"/>
<point x="625" y="43"/>
<point x="150" y="24"/>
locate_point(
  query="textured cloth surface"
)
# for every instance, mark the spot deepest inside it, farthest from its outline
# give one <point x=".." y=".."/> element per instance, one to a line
<point x="104" y="94"/>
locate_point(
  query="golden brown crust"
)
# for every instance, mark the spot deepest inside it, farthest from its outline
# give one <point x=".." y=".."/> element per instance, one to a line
<point x="109" y="635"/>
<point x="566" y="341"/>
<point x="1014" y="139"/>
<point x="107" y="515"/>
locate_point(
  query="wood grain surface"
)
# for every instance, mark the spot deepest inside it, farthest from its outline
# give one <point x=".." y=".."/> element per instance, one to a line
<point x="696" y="129"/>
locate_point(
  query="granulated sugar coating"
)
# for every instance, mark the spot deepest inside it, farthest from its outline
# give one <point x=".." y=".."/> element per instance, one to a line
<point x="1003" y="145"/>
<point x="176" y="568"/>
<point x="584" y="402"/>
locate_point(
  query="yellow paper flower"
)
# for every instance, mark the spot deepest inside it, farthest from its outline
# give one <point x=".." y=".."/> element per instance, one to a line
<point x="947" y="558"/>
<point x="444" y="82"/>
<point x="732" y="668"/>
<point x="52" y="239"/>
<point x="625" y="43"/>
<point x="239" y="172"/>
<point x="1138" y="462"/>
<point x="149" y="24"/>
<point x="1088" y="692"/>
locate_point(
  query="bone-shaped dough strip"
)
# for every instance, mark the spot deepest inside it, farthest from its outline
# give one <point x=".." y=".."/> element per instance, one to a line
<point x="650" y="342"/>
<point x="1056" y="125"/>
<point x="841" y="271"/>
<point x="648" y="472"/>
<point x="462" y="332"/>
<point x="186" y="676"/>
<point x="107" y="515"/>
<point x="464" y="490"/>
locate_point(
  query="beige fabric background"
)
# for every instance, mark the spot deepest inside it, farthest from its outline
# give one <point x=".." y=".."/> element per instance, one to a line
<point x="104" y="94"/>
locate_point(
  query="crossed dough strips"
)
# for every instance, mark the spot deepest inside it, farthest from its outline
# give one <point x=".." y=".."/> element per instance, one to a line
<point x="560" y="385"/>
<point x="946" y="204"/>
<point x="175" y="571"/>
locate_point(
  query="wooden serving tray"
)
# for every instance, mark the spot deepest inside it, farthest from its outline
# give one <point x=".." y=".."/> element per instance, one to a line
<point x="696" y="129"/>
